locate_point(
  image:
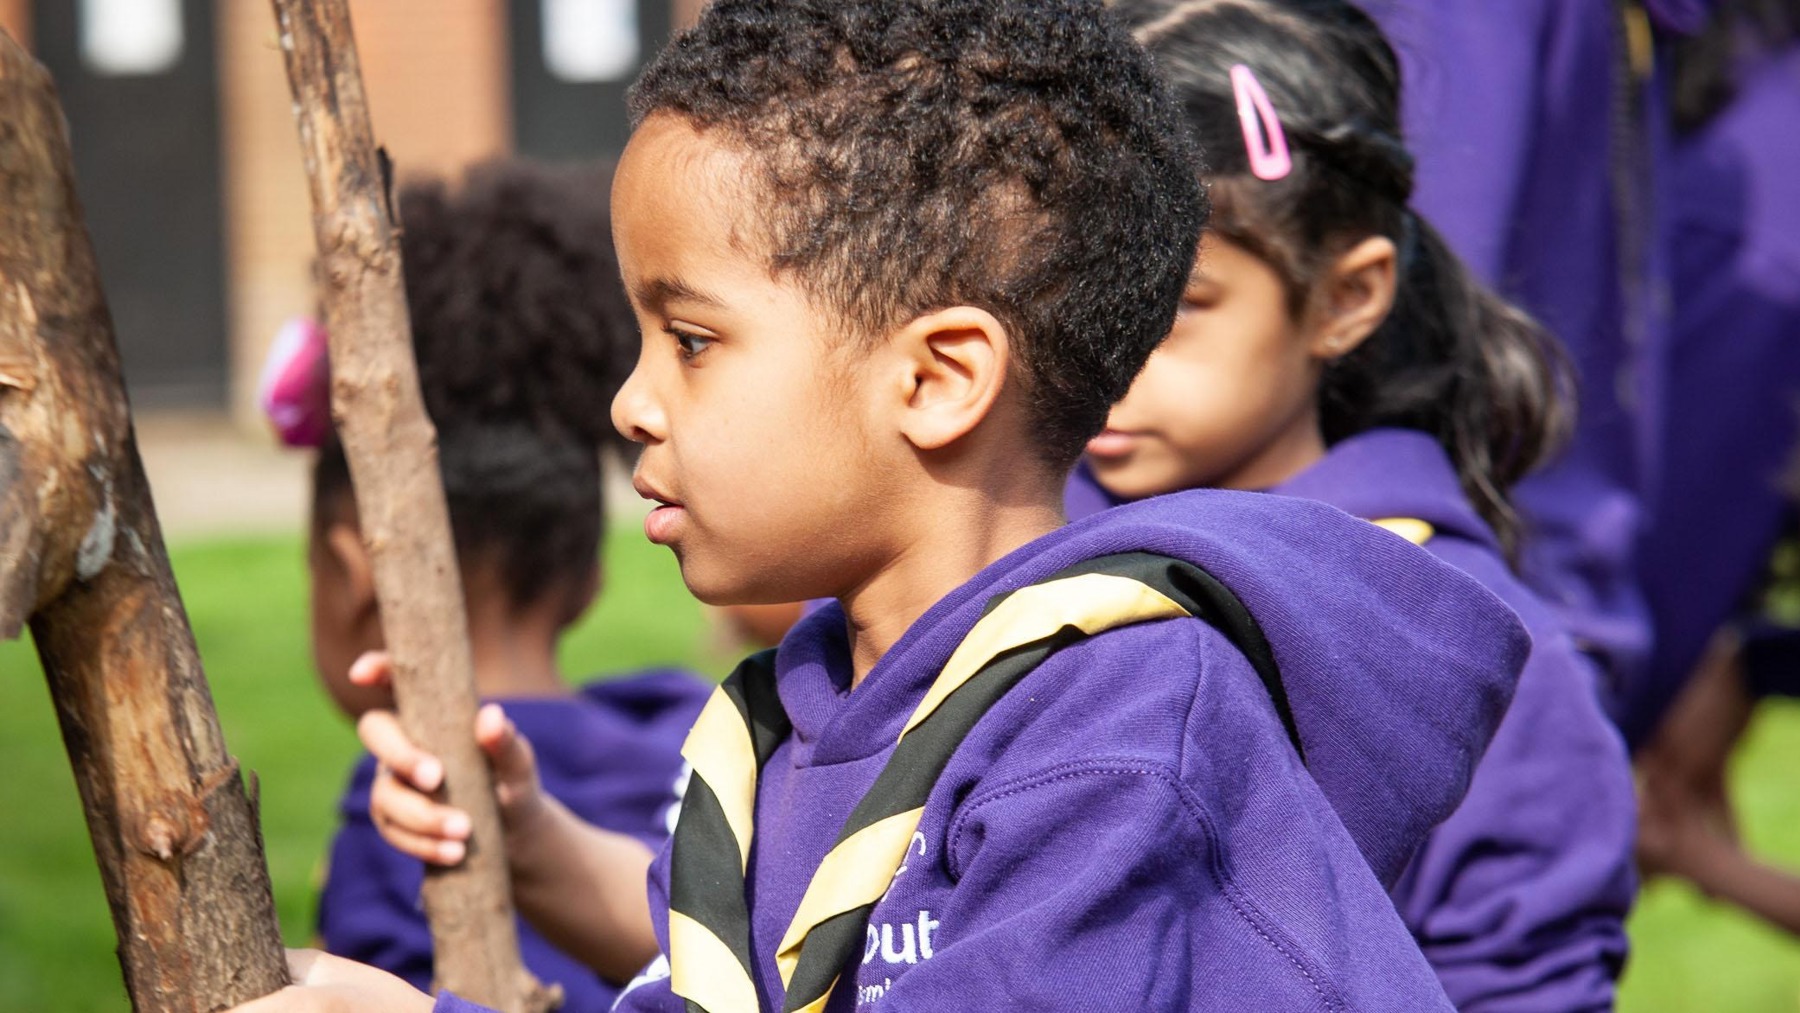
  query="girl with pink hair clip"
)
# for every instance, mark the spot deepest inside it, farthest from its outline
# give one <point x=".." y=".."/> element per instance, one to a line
<point x="1330" y="346"/>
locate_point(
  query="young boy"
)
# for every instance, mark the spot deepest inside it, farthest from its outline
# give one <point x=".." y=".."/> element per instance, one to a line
<point x="893" y="262"/>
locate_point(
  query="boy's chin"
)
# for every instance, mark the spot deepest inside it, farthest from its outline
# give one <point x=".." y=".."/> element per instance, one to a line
<point x="720" y="589"/>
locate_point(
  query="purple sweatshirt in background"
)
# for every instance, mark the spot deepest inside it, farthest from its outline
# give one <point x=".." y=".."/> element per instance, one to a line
<point x="1736" y="365"/>
<point x="1510" y="109"/>
<point x="1129" y="827"/>
<point x="612" y="754"/>
<point x="1519" y="898"/>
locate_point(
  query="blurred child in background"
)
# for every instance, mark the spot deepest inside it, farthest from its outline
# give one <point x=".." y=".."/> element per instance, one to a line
<point x="522" y="334"/>
<point x="1533" y="161"/>
<point x="1735" y="359"/>
<point x="1331" y="346"/>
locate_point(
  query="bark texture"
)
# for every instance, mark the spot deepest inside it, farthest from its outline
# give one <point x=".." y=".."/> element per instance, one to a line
<point x="82" y="560"/>
<point x="391" y="448"/>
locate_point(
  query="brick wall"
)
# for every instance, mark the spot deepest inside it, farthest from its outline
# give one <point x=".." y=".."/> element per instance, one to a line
<point x="437" y="79"/>
<point x="15" y="18"/>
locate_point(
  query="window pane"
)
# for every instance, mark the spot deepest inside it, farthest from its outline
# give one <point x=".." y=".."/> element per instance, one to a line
<point x="591" y="40"/>
<point x="130" y="36"/>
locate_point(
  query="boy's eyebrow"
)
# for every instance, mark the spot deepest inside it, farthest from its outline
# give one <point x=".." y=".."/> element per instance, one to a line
<point x="659" y="291"/>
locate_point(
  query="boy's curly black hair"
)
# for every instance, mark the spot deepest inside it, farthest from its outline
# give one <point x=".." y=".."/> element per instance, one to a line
<point x="1020" y="156"/>
<point x="523" y="334"/>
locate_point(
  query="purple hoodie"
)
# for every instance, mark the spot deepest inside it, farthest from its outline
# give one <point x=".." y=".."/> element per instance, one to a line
<point x="1736" y="354"/>
<point x="1518" y="899"/>
<point x="1129" y="827"/>
<point x="611" y="754"/>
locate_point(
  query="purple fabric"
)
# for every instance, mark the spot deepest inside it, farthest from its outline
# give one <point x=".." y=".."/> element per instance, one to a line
<point x="1679" y="17"/>
<point x="1736" y="354"/>
<point x="1519" y="898"/>
<point x="448" y="1002"/>
<point x="611" y="754"/>
<point x="1129" y="827"/>
<point x="1510" y="111"/>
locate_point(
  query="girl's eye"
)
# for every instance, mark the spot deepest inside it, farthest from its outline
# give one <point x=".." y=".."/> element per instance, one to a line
<point x="1203" y="299"/>
<point x="689" y="344"/>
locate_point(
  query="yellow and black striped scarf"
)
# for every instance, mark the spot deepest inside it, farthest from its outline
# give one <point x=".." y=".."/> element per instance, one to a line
<point x="743" y="723"/>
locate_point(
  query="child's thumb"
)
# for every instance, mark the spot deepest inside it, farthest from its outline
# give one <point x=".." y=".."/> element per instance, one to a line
<point x="508" y="751"/>
<point x="372" y="668"/>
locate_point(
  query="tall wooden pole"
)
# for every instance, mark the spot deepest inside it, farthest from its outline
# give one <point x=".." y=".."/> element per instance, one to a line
<point x="391" y="448"/>
<point x="82" y="559"/>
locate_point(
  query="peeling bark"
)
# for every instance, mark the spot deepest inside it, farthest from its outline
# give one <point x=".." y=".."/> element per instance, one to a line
<point x="391" y="448"/>
<point x="82" y="560"/>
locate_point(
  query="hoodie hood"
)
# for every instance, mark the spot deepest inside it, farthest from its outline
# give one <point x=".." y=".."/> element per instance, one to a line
<point x="1386" y="473"/>
<point x="1398" y="667"/>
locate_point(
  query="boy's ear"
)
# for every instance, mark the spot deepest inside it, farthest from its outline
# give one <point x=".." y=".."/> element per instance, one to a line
<point x="1355" y="296"/>
<point x="956" y="361"/>
<point x="344" y="545"/>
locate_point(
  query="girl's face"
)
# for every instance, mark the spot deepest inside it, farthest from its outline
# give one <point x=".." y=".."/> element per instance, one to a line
<point x="345" y="620"/>
<point x="1230" y="398"/>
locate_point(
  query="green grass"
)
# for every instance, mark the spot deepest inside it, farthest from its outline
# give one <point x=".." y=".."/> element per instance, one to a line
<point x="247" y="602"/>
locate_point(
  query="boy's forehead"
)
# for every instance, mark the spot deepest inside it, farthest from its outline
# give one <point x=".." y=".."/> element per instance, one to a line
<point x="675" y="177"/>
<point x="668" y="156"/>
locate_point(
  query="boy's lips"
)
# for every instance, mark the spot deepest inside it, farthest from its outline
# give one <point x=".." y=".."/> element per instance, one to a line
<point x="665" y="519"/>
<point x="1113" y="443"/>
<point x="663" y="523"/>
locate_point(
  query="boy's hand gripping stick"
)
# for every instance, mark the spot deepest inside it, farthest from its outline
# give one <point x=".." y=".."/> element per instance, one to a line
<point x="391" y="447"/>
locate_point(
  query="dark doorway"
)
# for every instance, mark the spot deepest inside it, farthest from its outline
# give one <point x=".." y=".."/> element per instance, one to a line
<point x="568" y="90"/>
<point x="141" y="94"/>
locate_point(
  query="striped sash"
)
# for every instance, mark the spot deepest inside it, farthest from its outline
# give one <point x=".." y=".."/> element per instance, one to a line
<point x="1412" y="529"/>
<point x="743" y="723"/>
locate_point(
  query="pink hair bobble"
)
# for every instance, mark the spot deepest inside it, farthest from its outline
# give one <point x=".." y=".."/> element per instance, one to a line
<point x="295" y="389"/>
<point x="1264" y="140"/>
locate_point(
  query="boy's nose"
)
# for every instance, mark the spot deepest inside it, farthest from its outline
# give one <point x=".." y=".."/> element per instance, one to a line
<point x="635" y="413"/>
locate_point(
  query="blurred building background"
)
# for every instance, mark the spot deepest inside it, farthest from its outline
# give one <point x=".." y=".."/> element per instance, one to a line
<point x="188" y="161"/>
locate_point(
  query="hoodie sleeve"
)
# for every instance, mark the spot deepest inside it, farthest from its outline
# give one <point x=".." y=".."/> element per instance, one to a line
<point x="1215" y="882"/>
<point x="1519" y="898"/>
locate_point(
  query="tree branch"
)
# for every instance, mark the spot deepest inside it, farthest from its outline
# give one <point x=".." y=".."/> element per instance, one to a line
<point x="391" y="448"/>
<point x="82" y="559"/>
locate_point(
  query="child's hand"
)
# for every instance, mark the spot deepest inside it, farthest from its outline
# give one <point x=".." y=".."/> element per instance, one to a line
<point x="1678" y="833"/>
<point x="327" y="984"/>
<point x="400" y="801"/>
<point x="1691" y="748"/>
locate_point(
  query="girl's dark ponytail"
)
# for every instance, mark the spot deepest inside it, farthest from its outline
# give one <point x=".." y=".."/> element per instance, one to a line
<point x="1457" y="361"/>
<point x="1452" y="359"/>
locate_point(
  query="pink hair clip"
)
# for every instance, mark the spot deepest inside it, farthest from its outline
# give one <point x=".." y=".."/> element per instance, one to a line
<point x="295" y="389"/>
<point x="1264" y="140"/>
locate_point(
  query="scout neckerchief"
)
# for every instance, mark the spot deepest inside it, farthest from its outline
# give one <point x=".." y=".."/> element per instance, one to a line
<point x="1412" y="529"/>
<point x="743" y="723"/>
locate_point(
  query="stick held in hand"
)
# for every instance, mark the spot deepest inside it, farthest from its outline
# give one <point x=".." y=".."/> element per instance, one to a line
<point x="391" y="448"/>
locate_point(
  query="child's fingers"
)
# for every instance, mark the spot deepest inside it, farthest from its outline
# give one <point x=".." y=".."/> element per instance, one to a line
<point x="372" y="668"/>
<point x="510" y="753"/>
<point x="394" y="804"/>
<point x="383" y="737"/>
<point x="417" y="826"/>
<point x="432" y="850"/>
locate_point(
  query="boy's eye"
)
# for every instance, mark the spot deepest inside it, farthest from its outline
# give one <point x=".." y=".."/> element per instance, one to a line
<point x="690" y="344"/>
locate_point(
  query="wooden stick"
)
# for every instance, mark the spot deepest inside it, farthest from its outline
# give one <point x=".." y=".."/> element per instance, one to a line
<point x="391" y="448"/>
<point x="81" y="558"/>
